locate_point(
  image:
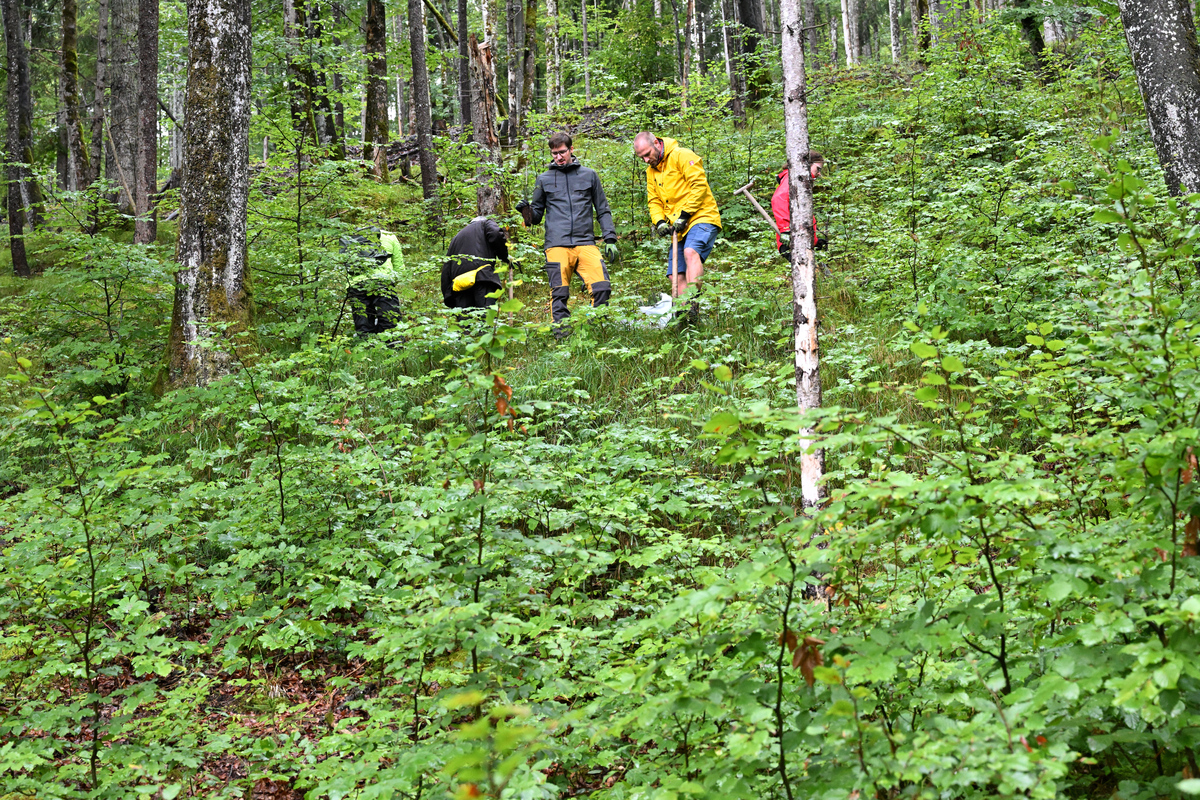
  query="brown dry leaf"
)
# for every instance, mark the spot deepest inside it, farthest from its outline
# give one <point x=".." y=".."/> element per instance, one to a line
<point x="478" y="485"/>
<point x="807" y="657"/>
<point x="501" y="388"/>
<point x="1163" y="555"/>
<point x="789" y="638"/>
<point x="1191" y="538"/>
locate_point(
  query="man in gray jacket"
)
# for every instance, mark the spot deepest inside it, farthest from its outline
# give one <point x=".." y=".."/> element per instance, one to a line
<point x="567" y="193"/>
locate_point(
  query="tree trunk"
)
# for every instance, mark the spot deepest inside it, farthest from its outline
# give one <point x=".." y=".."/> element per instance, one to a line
<point x="833" y="39"/>
<point x="77" y="155"/>
<point x="553" y="57"/>
<point x="751" y="17"/>
<point x="850" y="17"/>
<point x="14" y="44"/>
<point x="685" y="73"/>
<point x="529" y="55"/>
<point x="804" y="263"/>
<point x="1162" y="39"/>
<point x="211" y="301"/>
<point x="587" y="75"/>
<point x="894" y="29"/>
<point x="464" y="66"/>
<point x="122" y="132"/>
<point x="339" y="107"/>
<point x="811" y="32"/>
<point x="488" y="194"/>
<point x="1031" y="31"/>
<point x="376" y="129"/>
<point x="100" y="85"/>
<point x="420" y="100"/>
<point x="146" y="226"/>
<point x="514" y="17"/>
<point x="920" y="24"/>
<point x="300" y="80"/>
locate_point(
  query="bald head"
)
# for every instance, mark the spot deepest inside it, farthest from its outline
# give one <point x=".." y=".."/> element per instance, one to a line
<point x="648" y="148"/>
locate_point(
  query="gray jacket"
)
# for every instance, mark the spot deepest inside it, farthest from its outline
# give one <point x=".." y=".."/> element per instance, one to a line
<point x="566" y="195"/>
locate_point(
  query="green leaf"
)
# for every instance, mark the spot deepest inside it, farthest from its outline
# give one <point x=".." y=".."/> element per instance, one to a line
<point x="723" y="373"/>
<point x="1107" y="215"/>
<point x="927" y="393"/>
<point x="1189" y="786"/>
<point x="510" y="306"/>
<point x="952" y="364"/>
<point x="698" y="364"/>
<point x="923" y="350"/>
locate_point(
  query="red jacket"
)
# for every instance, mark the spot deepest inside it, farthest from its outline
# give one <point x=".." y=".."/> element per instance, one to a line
<point x="781" y="210"/>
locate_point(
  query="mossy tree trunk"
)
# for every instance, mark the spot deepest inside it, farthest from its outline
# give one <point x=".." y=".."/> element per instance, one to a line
<point x="376" y="132"/>
<point x="99" y="87"/>
<point x="420" y="100"/>
<point x="553" y="57"/>
<point x="77" y="154"/>
<point x="804" y="262"/>
<point x="529" y="86"/>
<point x="146" y="227"/>
<point x="212" y="313"/>
<point x="750" y="15"/>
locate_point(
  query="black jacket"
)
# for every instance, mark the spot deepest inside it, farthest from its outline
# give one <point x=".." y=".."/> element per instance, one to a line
<point x="479" y="244"/>
<point x="566" y="195"/>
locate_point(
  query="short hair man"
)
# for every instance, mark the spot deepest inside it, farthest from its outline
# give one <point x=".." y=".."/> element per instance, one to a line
<point x="782" y="211"/>
<point x="567" y="193"/>
<point x="474" y="249"/>
<point x="680" y="201"/>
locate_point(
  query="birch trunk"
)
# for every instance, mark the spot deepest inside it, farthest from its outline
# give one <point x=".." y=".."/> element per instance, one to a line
<point x="688" y="23"/>
<point x="894" y="29"/>
<point x="833" y="39"/>
<point x="804" y="296"/>
<point x="483" y="103"/>
<point x="211" y="301"/>
<point x="1162" y="39"/>
<point x="146" y="226"/>
<point x="376" y="129"/>
<point x="420" y="100"/>
<point x="77" y="155"/>
<point x="553" y="57"/>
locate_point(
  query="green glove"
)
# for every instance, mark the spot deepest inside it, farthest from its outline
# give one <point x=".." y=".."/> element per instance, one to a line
<point x="681" y="223"/>
<point x="663" y="228"/>
<point x="611" y="253"/>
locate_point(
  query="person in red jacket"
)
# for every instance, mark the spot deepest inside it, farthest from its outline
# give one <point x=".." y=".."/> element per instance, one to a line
<point x="781" y="209"/>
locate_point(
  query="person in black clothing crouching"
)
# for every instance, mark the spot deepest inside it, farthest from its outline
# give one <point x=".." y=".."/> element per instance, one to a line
<point x="469" y="275"/>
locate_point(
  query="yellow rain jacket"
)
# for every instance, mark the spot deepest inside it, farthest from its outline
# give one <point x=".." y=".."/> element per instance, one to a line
<point x="679" y="184"/>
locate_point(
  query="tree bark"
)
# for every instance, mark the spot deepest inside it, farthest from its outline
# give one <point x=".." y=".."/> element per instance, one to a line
<point x="122" y="132"/>
<point x="529" y="56"/>
<point x="689" y="22"/>
<point x="553" y="57"/>
<point x="812" y="34"/>
<point x="339" y="107"/>
<point x="300" y="79"/>
<point x="750" y="15"/>
<point x="376" y="130"/>
<point x="146" y="226"/>
<point x="488" y="195"/>
<point x="14" y="43"/>
<point x="920" y="24"/>
<point x="894" y="29"/>
<point x="77" y="155"/>
<point x="420" y="100"/>
<point x="100" y="85"/>
<point x="464" y="66"/>
<point x="804" y="263"/>
<point x="1031" y="31"/>
<point x="514" y="17"/>
<point x="212" y="306"/>
<point x="587" y="75"/>
<point x="1162" y="39"/>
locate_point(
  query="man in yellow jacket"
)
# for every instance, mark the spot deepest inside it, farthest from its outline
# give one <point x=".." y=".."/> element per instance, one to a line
<point x="680" y="201"/>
